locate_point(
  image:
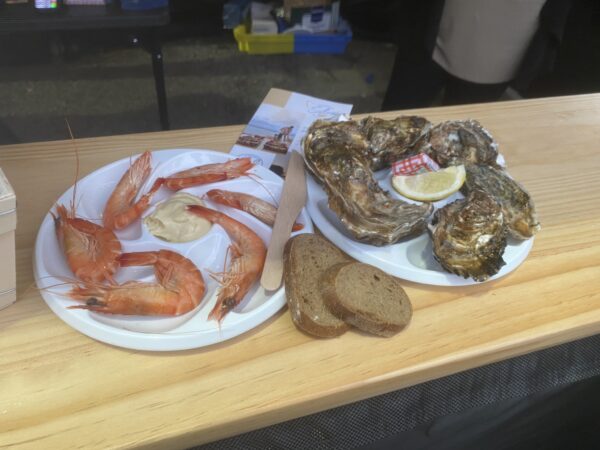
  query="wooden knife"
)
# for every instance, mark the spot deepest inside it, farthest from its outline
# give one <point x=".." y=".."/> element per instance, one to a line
<point x="293" y="199"/>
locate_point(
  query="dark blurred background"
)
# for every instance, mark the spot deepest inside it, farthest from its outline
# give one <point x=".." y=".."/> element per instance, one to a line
<point x="103" y="82"/>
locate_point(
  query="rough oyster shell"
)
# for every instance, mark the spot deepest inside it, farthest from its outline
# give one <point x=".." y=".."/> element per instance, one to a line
<point x="458" y="142"/>
<point x="325" y="141"/>
<point x="337" y="154"/>
<point x="516" y="203"/>
<point x="391" y="140"/>
<point x="469" y="236"/>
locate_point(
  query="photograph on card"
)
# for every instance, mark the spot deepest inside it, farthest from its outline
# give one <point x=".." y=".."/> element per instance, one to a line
<point x="271" y="129"/>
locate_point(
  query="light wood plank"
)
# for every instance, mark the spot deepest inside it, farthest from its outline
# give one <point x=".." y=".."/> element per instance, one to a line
<point x="60" y="389"/>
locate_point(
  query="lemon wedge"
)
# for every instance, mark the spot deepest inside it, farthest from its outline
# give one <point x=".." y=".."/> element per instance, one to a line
<point x="430" y="186"/>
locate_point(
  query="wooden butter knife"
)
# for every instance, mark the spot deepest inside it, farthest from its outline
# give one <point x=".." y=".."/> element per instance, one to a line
<point x="293" y="199"/>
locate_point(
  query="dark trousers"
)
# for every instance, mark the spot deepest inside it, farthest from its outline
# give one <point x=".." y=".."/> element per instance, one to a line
<point x="416" y="84"/>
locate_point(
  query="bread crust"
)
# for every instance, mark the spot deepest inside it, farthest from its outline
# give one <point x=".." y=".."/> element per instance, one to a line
<point x="301" y="319"/>
<point x="362" y="319"/>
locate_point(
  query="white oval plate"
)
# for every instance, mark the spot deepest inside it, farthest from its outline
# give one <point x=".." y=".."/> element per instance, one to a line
<point x="191" y="330"/>
<point x="410" y="260"/>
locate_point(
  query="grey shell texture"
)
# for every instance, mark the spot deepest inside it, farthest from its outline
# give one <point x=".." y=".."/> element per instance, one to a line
<point x="339" y="156"/>
<point x="517" y="205"/>
<point x="391" y="140"/>
<point x="457" y="142"/>
<point x="469" y="236"/>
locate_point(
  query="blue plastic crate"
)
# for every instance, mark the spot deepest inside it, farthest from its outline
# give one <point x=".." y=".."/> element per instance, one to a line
<point x="322" y="43"/>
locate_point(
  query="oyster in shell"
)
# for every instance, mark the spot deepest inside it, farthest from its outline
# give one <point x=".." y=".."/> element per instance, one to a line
<point x="391" y="140"/>
<point x="325" y="141"/>
<point x="517" y="205"/>
<point x="337" y="154"/>
<point x="469" y="236"/>
<point x="458" y="142"/>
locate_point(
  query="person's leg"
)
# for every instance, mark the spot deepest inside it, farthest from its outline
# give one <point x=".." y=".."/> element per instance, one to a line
<point x="415" y="80"/>
<point x="413" y="85"/>
<point x="458" y="92"/>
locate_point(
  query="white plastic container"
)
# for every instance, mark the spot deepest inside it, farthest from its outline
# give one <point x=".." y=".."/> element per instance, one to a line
<point x="8" y="224"/>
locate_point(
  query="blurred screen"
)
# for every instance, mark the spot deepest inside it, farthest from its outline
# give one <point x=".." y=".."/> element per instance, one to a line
<point x="46" y="4"/>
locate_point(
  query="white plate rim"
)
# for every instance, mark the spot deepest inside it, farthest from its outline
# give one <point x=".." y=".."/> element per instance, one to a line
<point x="169" y="341"/>
<point x="367" y="253"/>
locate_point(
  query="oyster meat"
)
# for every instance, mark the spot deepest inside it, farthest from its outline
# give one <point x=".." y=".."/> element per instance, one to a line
<point x="337" y="153"/>
<point x="516" y="203"/>
<point x="391" y="140"/>
<point x="469" y="236"/>
<point x="458" y="142"/>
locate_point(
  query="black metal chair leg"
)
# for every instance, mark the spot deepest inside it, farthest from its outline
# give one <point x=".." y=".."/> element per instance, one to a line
<point x="151" y="43"/>
<point x="161" y="93"/>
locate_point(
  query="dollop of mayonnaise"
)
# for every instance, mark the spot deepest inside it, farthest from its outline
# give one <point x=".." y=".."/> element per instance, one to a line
<point x="173" y="223"/>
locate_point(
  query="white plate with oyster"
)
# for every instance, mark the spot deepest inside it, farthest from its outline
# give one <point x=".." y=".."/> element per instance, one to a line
<point x="481" y="233"/>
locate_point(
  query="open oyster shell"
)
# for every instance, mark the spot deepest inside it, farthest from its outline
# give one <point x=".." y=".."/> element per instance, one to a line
<point x="458" y="142"/>
<point x="469" y="236"/>
<point x="391" y="140"/>
<point x="337" y="153"/>
<point x="516" y="203"/>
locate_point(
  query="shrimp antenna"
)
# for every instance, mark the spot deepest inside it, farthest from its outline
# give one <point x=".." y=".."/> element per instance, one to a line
<point x="129" y="172"/>
<point x="217" y="276"/>
<point x="255" y="178"/>
<point x="220" y="276"/>
<point x="32" y="285"/>
<point x="89" y="218"/>
<point x="73" y="206"/>
<point x="47" y="288"/>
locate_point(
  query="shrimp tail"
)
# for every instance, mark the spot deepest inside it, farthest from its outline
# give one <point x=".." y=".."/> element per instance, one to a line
<point x="138" y="208"/>
<point x="209" y="214"/>
<point x="222" y="197"/>
<point x="140" y="168"/>
<point x="238" y="167"/>
<point x="121" y="208"/>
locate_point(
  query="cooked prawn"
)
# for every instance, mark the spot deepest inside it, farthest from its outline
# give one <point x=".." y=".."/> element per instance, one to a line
<point x="121" y="208"/>
<point x="208" y="173"/>
<point x="92" y="251"/>
<point x="262" y="210"/>
<point x="248" y="258"/>
<point x="179" y="288"/>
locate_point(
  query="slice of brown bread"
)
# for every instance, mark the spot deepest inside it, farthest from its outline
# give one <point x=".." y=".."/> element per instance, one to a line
<point x="306" y="257"/>
<point x="366" y="297"/>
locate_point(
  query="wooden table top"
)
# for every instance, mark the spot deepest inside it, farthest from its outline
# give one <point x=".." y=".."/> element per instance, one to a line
<point x="59" y="388"/>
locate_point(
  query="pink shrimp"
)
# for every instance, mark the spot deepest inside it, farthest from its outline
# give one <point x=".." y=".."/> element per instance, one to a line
<point x="262" y="210"/>
<point x="92" y="251"/>
<point x="179" y="288"/>
<point x="121" y="208"/>
<point x="247" y="261"/>
<point x="208" y="173"/>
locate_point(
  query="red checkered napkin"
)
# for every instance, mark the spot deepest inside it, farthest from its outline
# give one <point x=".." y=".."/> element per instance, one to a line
<point x="415" y="164"/>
